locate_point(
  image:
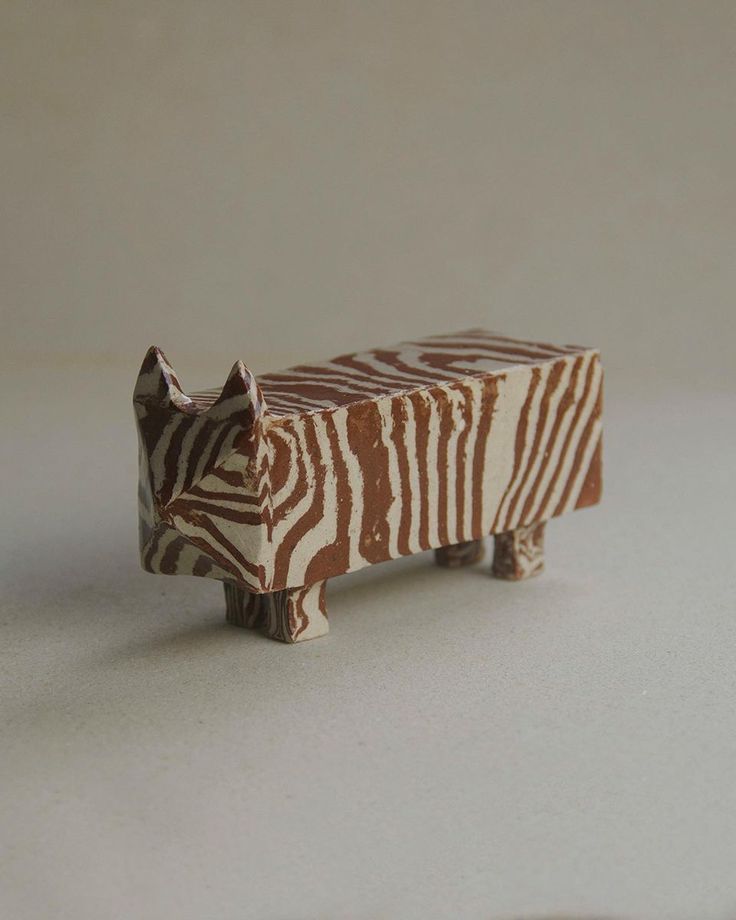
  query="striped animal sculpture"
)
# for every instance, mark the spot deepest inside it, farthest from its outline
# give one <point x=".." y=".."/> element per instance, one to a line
<point x="275" y="486"/>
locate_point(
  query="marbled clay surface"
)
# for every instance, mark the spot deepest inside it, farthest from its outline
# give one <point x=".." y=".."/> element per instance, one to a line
<point x="325" y="468"/>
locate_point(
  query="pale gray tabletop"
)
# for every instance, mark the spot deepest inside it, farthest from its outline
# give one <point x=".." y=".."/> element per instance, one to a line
<point x="456" y="746"/>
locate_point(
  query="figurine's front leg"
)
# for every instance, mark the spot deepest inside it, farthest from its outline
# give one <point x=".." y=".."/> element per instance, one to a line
<point x="291" y="615"/>
<point x="519" y="553"/>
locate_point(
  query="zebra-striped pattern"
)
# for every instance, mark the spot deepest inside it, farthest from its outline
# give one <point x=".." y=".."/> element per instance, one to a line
<point x="519" y="553"/>
<point x="325" y="468"/>
<point x="289" y="616"/>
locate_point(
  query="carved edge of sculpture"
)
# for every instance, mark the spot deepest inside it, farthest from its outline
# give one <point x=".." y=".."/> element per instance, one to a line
<point x="221" y="478"/>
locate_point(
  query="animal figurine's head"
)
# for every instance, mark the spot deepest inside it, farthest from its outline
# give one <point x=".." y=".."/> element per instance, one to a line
<point x="193" y="449"/>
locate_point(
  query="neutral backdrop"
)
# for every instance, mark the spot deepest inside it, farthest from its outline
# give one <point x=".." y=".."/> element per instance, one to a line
<point x="277" y="182"/>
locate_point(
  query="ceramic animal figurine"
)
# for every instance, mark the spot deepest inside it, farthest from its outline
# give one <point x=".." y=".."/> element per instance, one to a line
<point x="275" y="486"/>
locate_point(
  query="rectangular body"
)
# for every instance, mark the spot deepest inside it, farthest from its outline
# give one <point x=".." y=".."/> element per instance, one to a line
<point x="322" y="469"/>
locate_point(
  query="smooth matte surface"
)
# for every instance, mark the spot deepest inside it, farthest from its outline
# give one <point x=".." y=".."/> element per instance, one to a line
<point x="278" y="182"/>
<point x="299" y="180"/>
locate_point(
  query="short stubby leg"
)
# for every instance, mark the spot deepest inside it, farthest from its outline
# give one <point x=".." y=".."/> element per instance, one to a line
<point x="519" y="553"/>
<point x="452" y="557"/>
<point x="291" y="615"/>
<point x="243" y="608"/>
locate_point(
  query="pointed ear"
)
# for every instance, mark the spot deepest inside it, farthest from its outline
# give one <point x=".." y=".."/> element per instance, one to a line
<point x="184" y="438"/>
<point x="241" y="393"/>
<point x="157" y="382"/>
<point x="158" y="386"/>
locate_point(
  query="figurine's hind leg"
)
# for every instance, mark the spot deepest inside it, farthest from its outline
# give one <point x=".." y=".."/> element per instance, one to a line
<point x="452" y="557"/>
<point x="291" y="615"/>
<point x="519" y="553"/>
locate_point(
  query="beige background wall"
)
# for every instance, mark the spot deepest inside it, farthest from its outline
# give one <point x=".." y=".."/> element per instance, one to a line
<point x="281" y="180"/>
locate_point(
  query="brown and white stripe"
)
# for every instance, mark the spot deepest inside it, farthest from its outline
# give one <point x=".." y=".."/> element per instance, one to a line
<point x="325" y="468"/>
